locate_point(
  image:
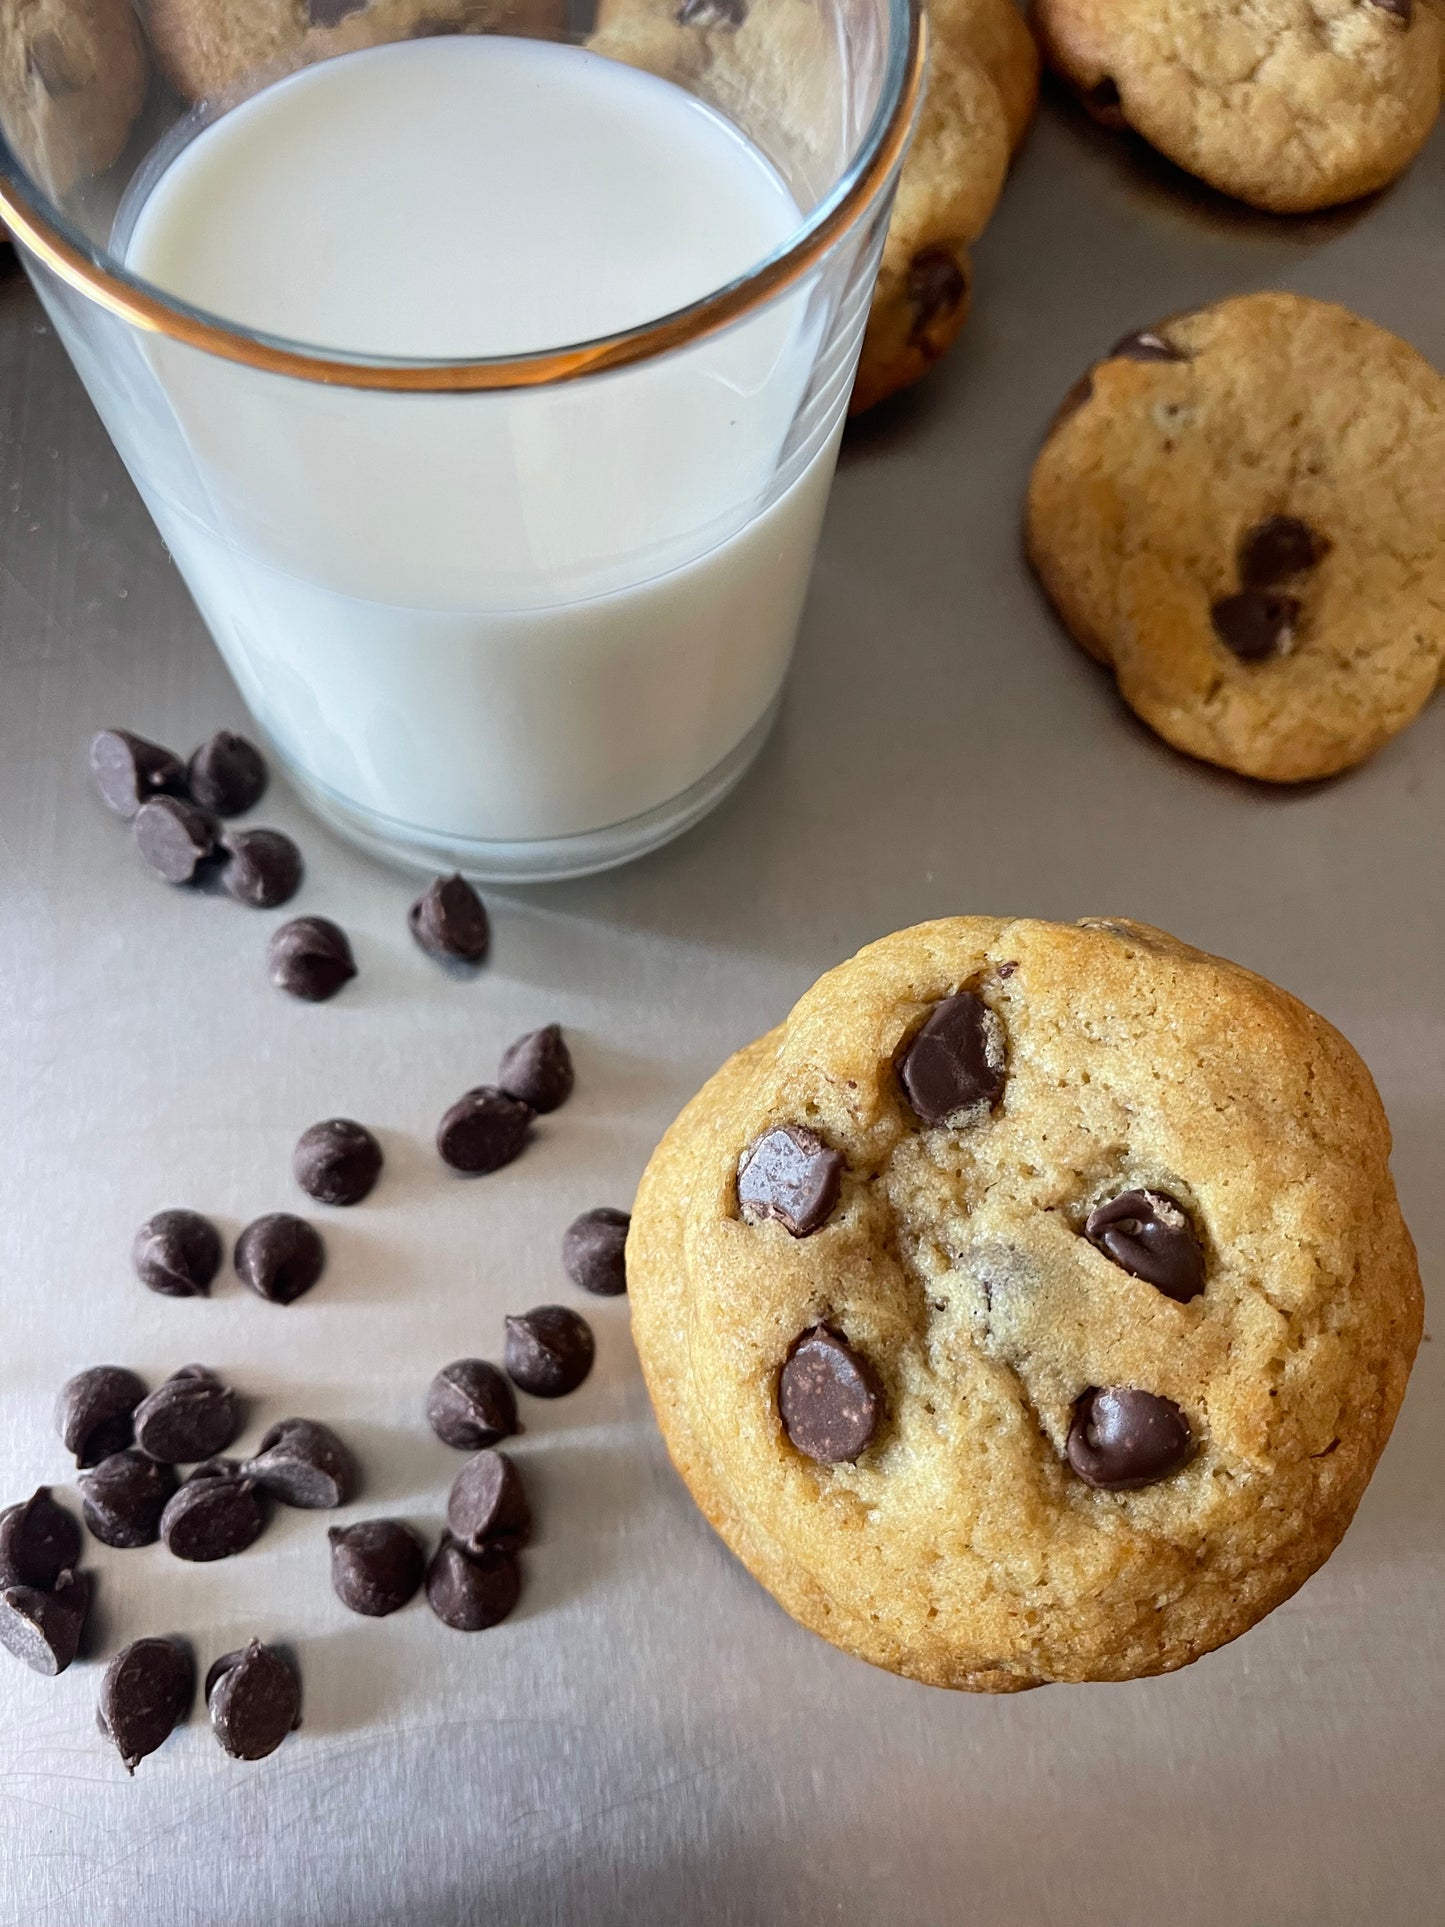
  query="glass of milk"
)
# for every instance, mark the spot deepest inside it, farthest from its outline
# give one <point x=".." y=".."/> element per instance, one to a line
<point x="483" y="370"/>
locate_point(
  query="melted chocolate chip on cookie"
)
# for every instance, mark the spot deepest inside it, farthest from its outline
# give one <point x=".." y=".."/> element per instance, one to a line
<point x="1145" y="344"/>
<point x="829" y="1398"/>
<point x="1257" y="624"/>
<point x="953" y="1070"/>
<point x="1122" y="1438"/>
<point x="1148" y="1234"/>
<point x="791" y="1175"/>
<point x="712" y="13"/>
<point x="937" y="288"/>
<point x="1401" y="10"/>
<point x="1279" y="547"/>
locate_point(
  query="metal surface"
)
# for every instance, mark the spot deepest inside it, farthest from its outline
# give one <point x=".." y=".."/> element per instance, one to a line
<point x="650" y="1739"/>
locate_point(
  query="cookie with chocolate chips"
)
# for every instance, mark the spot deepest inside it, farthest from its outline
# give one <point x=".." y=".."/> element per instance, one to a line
<point x="1242" y="512"/>
<point x="72" y="80"/>
<point x="1033" y="1305"/>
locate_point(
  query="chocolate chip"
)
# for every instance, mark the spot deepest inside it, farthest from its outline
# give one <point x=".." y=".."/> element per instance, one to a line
<point x="192" y="1416"/>
<point x="93" y="1412"/>
<point x="1149" y="1235"/>
<point x="1145" y="344"/>
<point x="39" y="1540"/>
<point x="953" y="1069"/>
<point x="1401" y="10"/>
<point x="226" y="775"/>
<point x="43" y="1626"/>
<point x="177" y="1253"/>
<point x="470" y="1591"/>
<point x="215" y="1515"/>
<point x="260" y="867"/>
<point x="310" y="958"/>
<point x="594" y="1251"/>
<point x="488" y="1505"/>
<point x="469" y="1404"/>
<point x="280" y="1256"/>
<point x="711" y="13"/>
<point x="1279" y="547"/>
<point x="1121" y="1438"/>
<point x="538" y="1069"/>
<point x="303" y="1464"/>
<point x="789" y="1174"/>
<point x="376" y="1566"/>
<point x="124" y="1497"/>
<point x="449" y="920"/>
<point x="54" y="65"/>
<point x="174" y="837"/>
<point x="483" y="1131"/>
<point x="330" y="13"/>
<point x="217" y="1468"/>
<point x="254" y="1697"/>
<point x="1257" y="624"/>
<point x="549" y="1351"/>
<point x="145" y="1695"/>
<point x="829" y="1398"/>
<point x="337" y="1162"/>
<point x="936" y="287"/>
<point x="128" y="770"/>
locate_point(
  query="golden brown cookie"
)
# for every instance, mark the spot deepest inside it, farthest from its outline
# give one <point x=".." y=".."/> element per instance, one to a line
<point x="72" y="79"/>
<point x="1033" y="1305"/>
<point x="1242" y="512"/>
<point x="995" y="34"/>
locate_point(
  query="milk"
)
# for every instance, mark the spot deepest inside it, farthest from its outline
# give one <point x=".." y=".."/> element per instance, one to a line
<point x="478" y="620"/>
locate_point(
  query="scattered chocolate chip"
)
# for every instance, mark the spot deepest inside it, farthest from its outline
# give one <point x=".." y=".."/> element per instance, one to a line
<point x="376" y="1566"/>
<point x="789" y="1174"/>
<point x="215" y="1515"/>
<point x="260" y="867"/>
<point x="1279" y="547"/>
<point x="469" y="1404"/>
<point x="124" y="1497"/>
<point x="55" y="66"/>
<point x="1121" y="1438"/>
<point x="128" y="770"/>
<point x="1145" y="344"/>
<point x="470" y="1591"/>
<point x="1149" y="1235"/>
<point x="953" y="1068"/>
<point x="488" y="1504"/>
<point x="483" y="1131"/>
<point x="337" y="1162"/>
<point x="254" y="1697"/>
<point x="39" y="1540"/>
<point x="538" y="1069"/>
<point x="177" y="1253"/>
<point x="310" y="958"/>
<point x="226" y="775"/>
<point x="330" y="13"/>
<point x="594" y="1251"/>
<point x="93" y="1412"/>
<point x="449" y="920"/>
<point x="1257" y="624"/>
<point x="145" y="1695"/>
<point x="936" y="287"/>
<point x="549" y="1351"/>
<point x="829" y="1398"/>
<point x="192" y="1416"/>
<point x="1401" y="10"/>
<point x="1105" y="103"/>
<point x="42" y="1626"/>
<point x="174" y="837"/>
<point x="280" y="1256"/>
<point x="711" y="13"/>
<point x="303" y="1464"/>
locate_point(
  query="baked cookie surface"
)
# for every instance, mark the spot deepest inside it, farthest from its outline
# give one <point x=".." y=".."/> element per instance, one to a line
<point x="72" y="80"/>
<point x="1075" y="1383"/>
<point x="1242" y="511"/>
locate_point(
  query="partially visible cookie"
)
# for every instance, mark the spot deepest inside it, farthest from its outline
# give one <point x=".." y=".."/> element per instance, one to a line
<point x="995" y="34"/>
<point x="1287" y="104"/>
<point x="72" y="80"/>
<point x="1242" y="512"/>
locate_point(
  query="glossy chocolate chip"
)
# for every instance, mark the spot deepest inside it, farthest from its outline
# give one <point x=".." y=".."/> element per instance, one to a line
<point x="470" y="1591"/>
<point x="1145" y="344"/>
<point x="254" y="1699"/>
<point x="177" y="1253"/>
<point x="128" y="770"/>
<point x="953" y="1069"/>
<point x="1257" y="624"/>
<point x="1122" y="1438"/>
<point x="176" y="839"/>
<point x="483" y="1131"/>
<point x="936" y="288"/>
<point x="310" y="958"/>
<point x="829" y="1398"/>
<point x="43" y="1625"/>
<point x="280" y="1257"/>
<point x="1279" y="547"/>
<point x="39" y="1540"/>
<point x="1401" y="10"/>
<point x="1149" y="1235"/>
<point x="1105" y="103"/>
<point x="538" y="1069"/>
<point x="192" y="1416"/>
<point x="449" y="920"/>
<point x="376" y="1566"/>
<point x="594" y="1251"/>
<point x="262" y="868"/>
<point x="303" y="1464"/>
<point x="337" y="1162"/>
<point x="711" y="13"/>
<point x="789" y="1174"/>
<point x="93" y="1412"/>
<point x="124" y="1496"/>
<point x="488" y="1503"/>
<point x="226" y="775"/>
<point x="470" y="1404"/>
<point x="549" y="1351"/>
<point x="215" y="1515"/>
<point x="145" y="1695"/>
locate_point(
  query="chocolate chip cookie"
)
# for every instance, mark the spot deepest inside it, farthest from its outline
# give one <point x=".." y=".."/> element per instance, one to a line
<point x="994" y="33"/>
<point x="1242" y="512"/>
<point x="1287" y="104"/>
<point x="1033" y="1305"/>
<point x="72" y="79"/>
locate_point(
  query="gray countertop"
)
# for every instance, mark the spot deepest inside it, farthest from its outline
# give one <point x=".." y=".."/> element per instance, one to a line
<point x="650" y="1739"/>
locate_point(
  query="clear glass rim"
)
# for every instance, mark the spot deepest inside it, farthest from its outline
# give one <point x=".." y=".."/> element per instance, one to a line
<point x="92" y="272"/>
